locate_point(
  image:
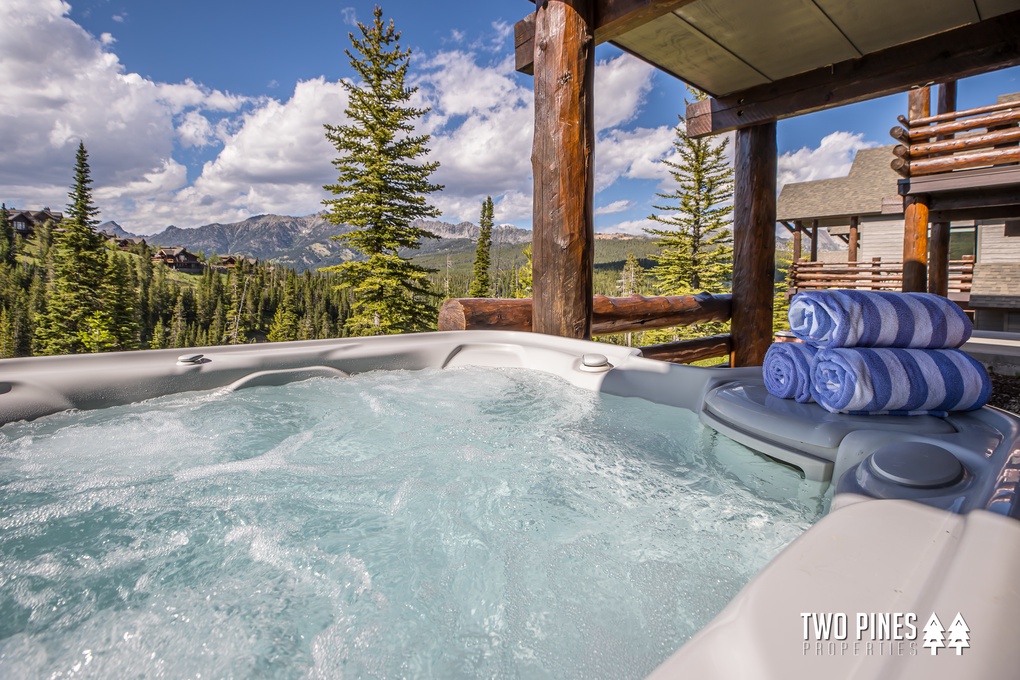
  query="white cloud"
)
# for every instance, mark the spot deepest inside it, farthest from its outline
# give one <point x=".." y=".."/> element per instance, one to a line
<point x="614" y="207"/>
<point x="621" y="85"/>
<point x="120" y="18"/>
<point x="127" y="122"/>
<point x="107" y="39"/>
<point x="274" y="156"/>
<point x="350" y="16"/>
<point x="832" y="158"/>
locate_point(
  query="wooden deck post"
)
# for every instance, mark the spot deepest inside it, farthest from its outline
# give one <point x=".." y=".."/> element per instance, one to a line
<point x="915" y="245"/>
<point x="915" y="217"/>
<point x="938" y="248"/>
<point x="562" y="160"/>
<point x="852" y="252"/>
<point x="814" y="240"/>
<point x="754" y="243"/>
<point x="798" y="229"/>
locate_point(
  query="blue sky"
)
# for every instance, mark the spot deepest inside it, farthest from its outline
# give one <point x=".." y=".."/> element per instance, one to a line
<point x="201" y="111"/>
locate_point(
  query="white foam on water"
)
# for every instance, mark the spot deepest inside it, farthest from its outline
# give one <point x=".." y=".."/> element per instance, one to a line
<point x="457" y="523"/>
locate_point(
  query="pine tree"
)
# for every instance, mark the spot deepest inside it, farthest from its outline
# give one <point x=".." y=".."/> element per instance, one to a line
<point x="632" y="278"/>
<point x="74" y="302"/>
<point x="524" y="281"/>
<point x="934" y="638"/>
<point x="959" y="634"/>
<point x="285" y="320"/>
<point x="382" y="188"/>
<point x="7" y="249"/>
<point x="120" y="302"/>
<point x="481" y="284"/>
<point x="695" y="251"/>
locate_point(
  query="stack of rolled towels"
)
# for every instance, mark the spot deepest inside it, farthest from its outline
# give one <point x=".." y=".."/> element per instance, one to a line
<point x="871" y="352"/>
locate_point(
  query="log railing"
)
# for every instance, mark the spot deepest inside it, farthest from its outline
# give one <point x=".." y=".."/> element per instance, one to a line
<point x="873" y="275"/>
<point x="611" y="315"/>
<point x="958" y="140"/>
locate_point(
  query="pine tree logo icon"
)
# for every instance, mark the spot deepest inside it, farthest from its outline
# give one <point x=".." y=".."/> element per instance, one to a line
<point x="934" y="637"/>
<point x="959" y="634"/>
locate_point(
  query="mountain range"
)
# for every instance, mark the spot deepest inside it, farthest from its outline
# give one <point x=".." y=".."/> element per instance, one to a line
<point x="305" y="242"/>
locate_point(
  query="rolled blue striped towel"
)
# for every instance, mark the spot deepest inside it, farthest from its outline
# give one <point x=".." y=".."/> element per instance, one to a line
<point x="898" y="381"/>
<point x="787" y="370"/>
<point x="862" y="318"/>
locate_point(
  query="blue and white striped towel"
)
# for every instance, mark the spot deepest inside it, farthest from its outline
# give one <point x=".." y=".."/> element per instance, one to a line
<point x="861" y="318"/>
<point x="787" y="370"/>
<point x="898" y="381"/>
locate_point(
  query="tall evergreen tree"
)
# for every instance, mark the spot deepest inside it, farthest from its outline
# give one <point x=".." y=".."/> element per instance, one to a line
<point x="120" y="302"/>
<point x="7" y="252"/>
<point x="480" y="284"/>
<point x="286" y="321"/>
<point x="695" y="251"/>
<point x="382" y="188"/>
<point x="73" y="301"/>
<point x="524" y="280"/>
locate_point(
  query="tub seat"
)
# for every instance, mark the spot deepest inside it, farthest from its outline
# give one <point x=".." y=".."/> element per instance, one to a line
<point x="804" y="435"/>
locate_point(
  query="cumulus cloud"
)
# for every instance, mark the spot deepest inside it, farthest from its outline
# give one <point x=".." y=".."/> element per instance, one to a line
<point x="621" y="85"/>
<point x="127" y="122"/>
<point x="614" y="207"/>
<point x="832" y="158"/>
<point x="107" y="39"/>
<point x="268" y="154"/>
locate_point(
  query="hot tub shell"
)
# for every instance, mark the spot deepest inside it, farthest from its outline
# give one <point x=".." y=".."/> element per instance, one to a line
<point x="897" y="542"/>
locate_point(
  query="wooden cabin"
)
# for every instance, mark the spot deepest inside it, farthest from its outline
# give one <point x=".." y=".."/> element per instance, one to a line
<point x="759" y="62"/>
<point x="25" y="222"/>
<point x="179" y="259"/>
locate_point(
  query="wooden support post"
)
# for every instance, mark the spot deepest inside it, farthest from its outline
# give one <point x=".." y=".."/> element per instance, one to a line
<point x="915" y="244"/>
<point x="919" y="103"/>
<point x="797" y="233"/>
<point x="754" y="243"/>
<point x="938" y="259"/>
<point x="814" y="240"/>
<point x="938" y="253"/>
<point x="852" y="253"/>
<point x="562" y="161"/>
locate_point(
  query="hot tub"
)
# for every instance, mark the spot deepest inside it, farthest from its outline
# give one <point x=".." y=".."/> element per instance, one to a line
<point x="922" y="521"/>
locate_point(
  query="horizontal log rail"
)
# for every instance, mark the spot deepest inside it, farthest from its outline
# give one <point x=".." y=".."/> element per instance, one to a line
<point x="958" y="140"/>
<point x="874" y="275"/>
<point x="689" y="351"/>
<point x="611" y="315"/>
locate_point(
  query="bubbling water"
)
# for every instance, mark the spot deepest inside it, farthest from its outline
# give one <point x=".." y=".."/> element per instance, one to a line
<point x="456" y="523"/>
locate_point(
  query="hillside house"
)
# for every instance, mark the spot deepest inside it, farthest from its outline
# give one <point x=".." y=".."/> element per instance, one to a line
<point x="179" y="259"/>
<point x="25" y="222"/>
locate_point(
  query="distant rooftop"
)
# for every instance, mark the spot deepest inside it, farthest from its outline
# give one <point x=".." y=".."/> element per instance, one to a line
<point x="859" y="193"/>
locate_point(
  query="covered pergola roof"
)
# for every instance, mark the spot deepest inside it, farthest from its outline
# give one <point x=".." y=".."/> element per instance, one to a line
<point x="763" y="61"/>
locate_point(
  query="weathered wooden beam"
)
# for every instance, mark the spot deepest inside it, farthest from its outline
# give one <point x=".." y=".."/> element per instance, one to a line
<point x="965" y="113"/>
<point x="915" y="245"/>
<point x="975" y="159"/>
<point x="917" y="133"/>
<point x="852" y="252"/>
<point x="797" y="247"/>
<point x="563" y="227"/>
<point x="754" y="243"/>
<point x="957" y="144"/>
<point x="612" y="18"/>
<point x="938" y="259"/>
<point x="689" y="351"/>
<point x="524" y="44"/>
<point x="918" y="103"/>
<point x="938" y="244"/>
<point x="611" y="315"/>
<point x="814" y="240"/>
<point x="969" y="50"/>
